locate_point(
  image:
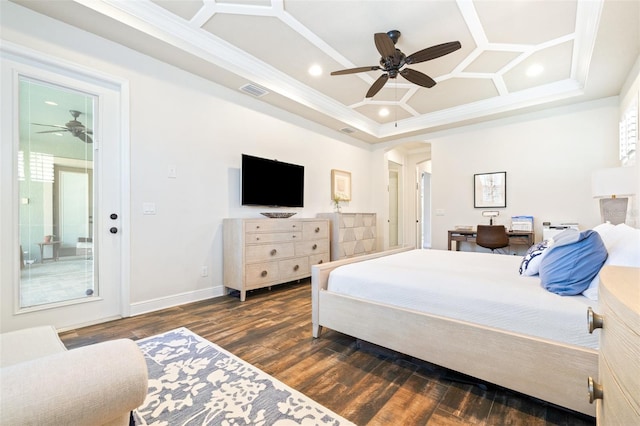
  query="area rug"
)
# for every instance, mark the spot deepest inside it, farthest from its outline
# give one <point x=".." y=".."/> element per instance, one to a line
<point x="195" y="382"/>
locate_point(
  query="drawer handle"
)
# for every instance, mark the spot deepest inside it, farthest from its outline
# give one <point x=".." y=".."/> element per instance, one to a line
<point x="594" y="320"/>
<point x="320" y="261"/>
<point x="293" y="236"/>
<point x="295" y="268"/>
<point x="315" y="246"/>
<point x="595" y="390"/>
<point x="273" y="252"/>
<point x="317" y="229"/>
<point x="257" y="238"/>
<point x="263" y="274"/>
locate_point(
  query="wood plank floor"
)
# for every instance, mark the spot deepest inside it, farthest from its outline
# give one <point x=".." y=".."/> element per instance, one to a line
<point x="366" y="384"/>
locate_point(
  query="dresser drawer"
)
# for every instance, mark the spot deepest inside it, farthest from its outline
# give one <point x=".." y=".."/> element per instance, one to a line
<point x="620" y="346"/>
<point x="259" y="275"/>
<point x="616" y="407"/>
<point x="290" y="269"/>
<point x="272" y="225"/>
<point x="314" y="230"/>
<point x="272" y="237"/>
<point x="266" y="252"/>
<point x="316" y="259"/>
<point x="306" y="248"/>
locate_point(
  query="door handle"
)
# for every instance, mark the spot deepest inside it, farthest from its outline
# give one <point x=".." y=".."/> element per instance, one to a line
<point x="113" y="230"/>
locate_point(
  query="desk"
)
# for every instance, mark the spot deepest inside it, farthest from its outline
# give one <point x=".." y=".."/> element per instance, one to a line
<point x="55" y="246"/>
<point x="515" y="237"/>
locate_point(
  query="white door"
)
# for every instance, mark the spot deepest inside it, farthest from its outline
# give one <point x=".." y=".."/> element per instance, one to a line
<point x="394" y="204"/>
<point x="62" y="190"/>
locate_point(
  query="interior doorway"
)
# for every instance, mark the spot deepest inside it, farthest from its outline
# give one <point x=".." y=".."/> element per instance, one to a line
<point x="394" y="203"/>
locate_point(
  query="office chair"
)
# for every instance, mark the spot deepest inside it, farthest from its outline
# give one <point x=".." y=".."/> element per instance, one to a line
<point x="492" y="237"/>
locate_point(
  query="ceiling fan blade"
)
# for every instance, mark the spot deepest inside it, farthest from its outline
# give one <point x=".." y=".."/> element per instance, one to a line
<point x="384" y="44"/>
<point x="54" y="131"/>
<point x="417" y="77"/>
<point x="433" y="52"/>
<point x="84" y="137"/>
<point x="51" y="125"/>
<point x="355" y="70"/>
<point x="377" y="85"/>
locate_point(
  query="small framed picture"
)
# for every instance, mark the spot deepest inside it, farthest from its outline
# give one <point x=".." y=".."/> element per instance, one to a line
<point x="490" y="190"/>
<point x="340" y="185"/>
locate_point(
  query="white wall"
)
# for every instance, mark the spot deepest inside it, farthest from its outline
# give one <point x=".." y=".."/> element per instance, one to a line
<point x="178" y="119"/>
<point x="548" y="156"/>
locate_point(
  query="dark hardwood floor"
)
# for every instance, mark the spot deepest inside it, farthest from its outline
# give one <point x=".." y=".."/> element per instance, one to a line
<point x="366" y="384"/>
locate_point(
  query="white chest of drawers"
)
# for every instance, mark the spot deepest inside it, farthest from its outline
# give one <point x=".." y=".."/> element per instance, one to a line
<point x="264" y="252"/>
<point x="619" y="360"/>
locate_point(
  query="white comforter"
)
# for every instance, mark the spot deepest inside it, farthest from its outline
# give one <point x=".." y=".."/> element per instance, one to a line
<point x="481" y="288"/>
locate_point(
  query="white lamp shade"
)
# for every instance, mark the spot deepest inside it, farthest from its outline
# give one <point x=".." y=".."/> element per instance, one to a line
<point x="615" y="181"/>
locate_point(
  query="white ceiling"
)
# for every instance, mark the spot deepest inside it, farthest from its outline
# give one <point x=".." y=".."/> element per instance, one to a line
<point x="586" y="47"/>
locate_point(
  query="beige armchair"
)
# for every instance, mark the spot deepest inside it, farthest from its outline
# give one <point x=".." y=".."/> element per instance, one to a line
<point x="43" y="383"/>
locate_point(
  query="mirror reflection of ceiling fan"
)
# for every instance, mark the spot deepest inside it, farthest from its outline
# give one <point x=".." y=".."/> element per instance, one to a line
<point x="393" y="60"/>
<point x="76" y="128"/>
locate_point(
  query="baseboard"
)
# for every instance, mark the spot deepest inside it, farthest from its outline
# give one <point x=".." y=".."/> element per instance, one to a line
<point x="152" y="305"/>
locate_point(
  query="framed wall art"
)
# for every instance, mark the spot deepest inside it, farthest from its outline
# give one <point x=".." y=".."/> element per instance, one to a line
<point x="490" y="190"/>
<point x="340" y="185"/>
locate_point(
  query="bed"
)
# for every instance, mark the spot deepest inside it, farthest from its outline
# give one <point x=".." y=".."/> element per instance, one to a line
<point x="512" y="341"/>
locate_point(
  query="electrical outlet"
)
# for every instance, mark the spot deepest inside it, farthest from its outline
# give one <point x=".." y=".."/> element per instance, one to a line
<point x="204" y="272"/>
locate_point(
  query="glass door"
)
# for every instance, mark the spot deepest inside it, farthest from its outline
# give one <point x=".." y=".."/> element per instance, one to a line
<point x="55" y="163"/>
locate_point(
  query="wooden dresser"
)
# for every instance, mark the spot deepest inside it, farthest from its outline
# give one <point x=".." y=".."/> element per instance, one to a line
<point x="264" y="252"/>
<point x="352" y="234"/>
<point x="618" y="387"/>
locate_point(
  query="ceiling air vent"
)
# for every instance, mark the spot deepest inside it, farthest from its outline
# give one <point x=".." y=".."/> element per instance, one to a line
<point x="254" y="90"/>
<point x="348" y="130"/>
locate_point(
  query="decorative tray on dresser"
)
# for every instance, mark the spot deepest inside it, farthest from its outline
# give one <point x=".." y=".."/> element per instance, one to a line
<point x="263" y="252"/>
<point x="618" y="388"/>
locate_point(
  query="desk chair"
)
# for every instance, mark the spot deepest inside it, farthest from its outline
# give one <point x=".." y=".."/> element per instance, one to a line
<point x="492" y="237"/>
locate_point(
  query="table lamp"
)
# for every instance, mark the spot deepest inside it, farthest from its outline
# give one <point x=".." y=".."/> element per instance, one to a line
<point x="613" y="186"/>
<point x="490" y="214"/>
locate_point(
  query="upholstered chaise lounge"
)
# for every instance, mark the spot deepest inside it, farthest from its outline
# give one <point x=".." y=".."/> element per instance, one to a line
<point x="43" y="383"/>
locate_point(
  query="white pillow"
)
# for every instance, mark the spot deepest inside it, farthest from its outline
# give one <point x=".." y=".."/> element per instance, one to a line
<point x="604" y="229"/>
<point x="623" y="248"/>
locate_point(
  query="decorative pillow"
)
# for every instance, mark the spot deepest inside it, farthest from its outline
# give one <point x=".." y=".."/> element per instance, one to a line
<point x="624" y="250"/>
<point x="572" y="262"/>
<point x="530" y="264"/>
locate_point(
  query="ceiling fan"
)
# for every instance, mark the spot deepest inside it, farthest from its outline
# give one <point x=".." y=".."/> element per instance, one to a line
<point x="393" y="60"/>
<point x="74" y="127"/>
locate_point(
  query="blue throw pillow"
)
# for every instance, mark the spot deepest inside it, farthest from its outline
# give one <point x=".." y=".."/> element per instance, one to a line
<point x="570" y="264"/>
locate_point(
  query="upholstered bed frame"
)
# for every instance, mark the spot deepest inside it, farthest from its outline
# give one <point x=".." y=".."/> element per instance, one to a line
<point x="548" y="370"/>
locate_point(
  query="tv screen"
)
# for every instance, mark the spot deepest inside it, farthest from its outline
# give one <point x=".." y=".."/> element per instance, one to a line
<point x="271" y="183"/>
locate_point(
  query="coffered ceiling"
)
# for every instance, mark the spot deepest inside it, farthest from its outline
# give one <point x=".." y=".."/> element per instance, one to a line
<point x="582" y="50"/>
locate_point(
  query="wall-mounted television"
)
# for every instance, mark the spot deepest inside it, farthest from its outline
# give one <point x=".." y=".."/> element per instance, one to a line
<point x="271" y="183"/>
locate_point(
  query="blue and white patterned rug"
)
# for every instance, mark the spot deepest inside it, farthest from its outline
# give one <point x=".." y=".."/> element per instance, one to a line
<point x="194" y="382"/>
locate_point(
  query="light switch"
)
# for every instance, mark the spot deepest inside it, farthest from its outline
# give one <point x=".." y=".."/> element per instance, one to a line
<point x="148" y="208"/>
<point x="173" y="171"/>
<point x="439" y="212"/>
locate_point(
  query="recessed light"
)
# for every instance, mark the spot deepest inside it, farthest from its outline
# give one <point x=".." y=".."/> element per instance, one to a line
<point x="315" y="70"/>
<point x="384" y="112"/>
<point x="535" y="70"/>
<point x="51" y="103"/>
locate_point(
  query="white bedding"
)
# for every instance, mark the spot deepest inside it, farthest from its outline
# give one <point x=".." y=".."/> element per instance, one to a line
<point x="481" y="288"/>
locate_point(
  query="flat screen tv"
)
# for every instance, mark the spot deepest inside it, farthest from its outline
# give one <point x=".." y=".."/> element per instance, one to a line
<point x="271" y="183"/>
